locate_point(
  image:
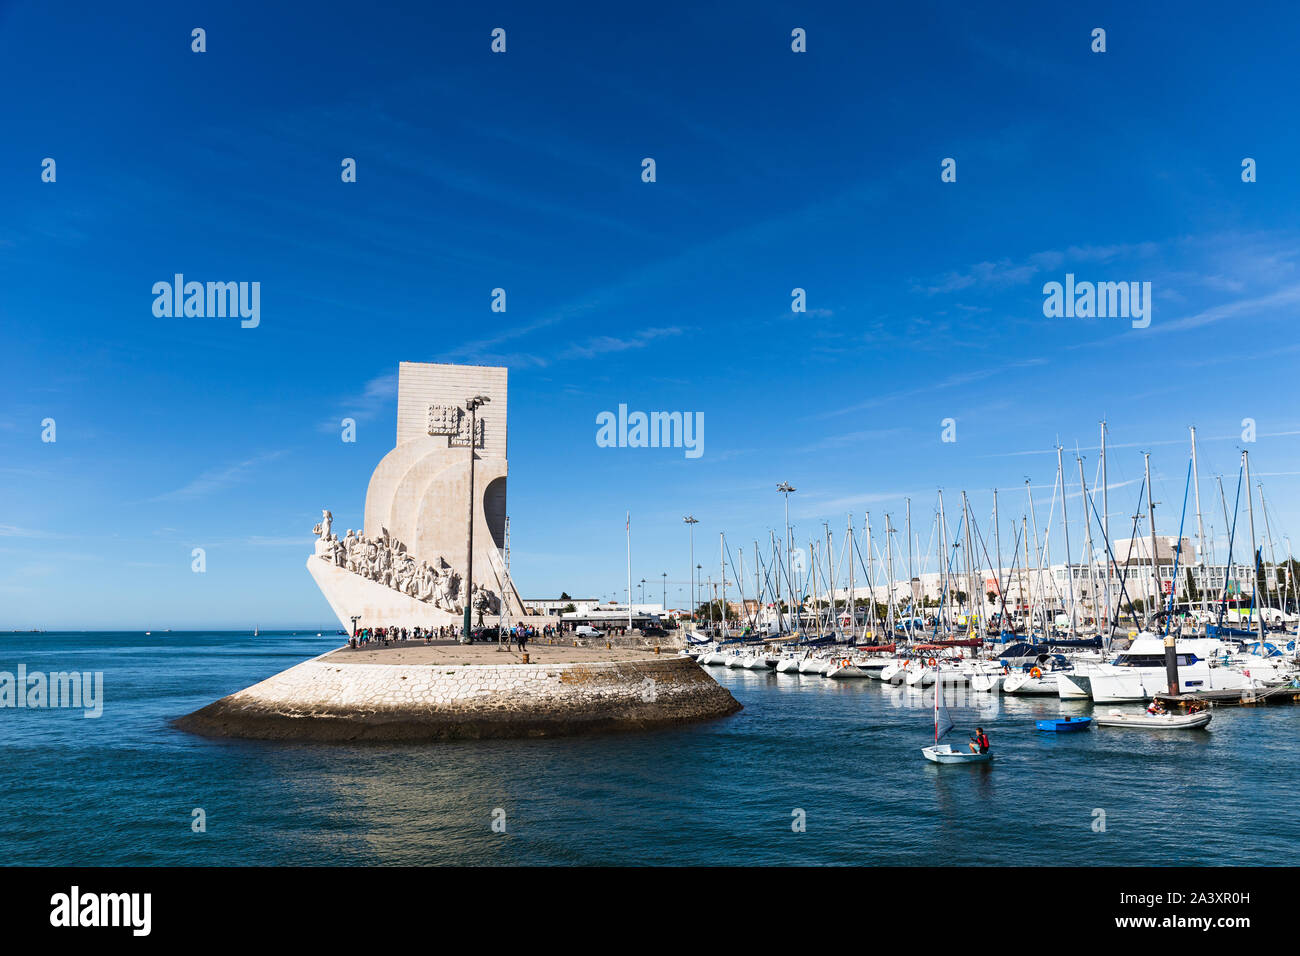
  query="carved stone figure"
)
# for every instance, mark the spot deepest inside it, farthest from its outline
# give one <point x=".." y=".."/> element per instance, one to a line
<point x="385" y="560"/>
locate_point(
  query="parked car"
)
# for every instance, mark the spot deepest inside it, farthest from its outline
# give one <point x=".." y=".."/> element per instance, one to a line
<point x="653" y="630"/>
<point x="586" y="630"/>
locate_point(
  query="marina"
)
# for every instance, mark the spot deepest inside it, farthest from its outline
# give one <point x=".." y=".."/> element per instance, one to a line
<point x="1095" y="631"/>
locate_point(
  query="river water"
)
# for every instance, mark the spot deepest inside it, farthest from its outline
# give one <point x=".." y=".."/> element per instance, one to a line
<point x="812" y="771"/>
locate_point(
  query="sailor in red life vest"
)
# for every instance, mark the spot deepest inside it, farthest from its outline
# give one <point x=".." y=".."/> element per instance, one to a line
<point x="979" y="744"/>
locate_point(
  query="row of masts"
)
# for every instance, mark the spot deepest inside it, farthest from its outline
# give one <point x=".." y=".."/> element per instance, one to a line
<point x="789" y="586"/>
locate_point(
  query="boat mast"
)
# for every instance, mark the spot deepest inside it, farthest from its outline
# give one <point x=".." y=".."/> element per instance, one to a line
<point x="830" y="573"/>
<point x="722" y="564"/>
<point x="776" y="560"/>
<point x="970" y="570"/>
<point x="1155" y="567"/>
<point x="911" y="598"/>
<point x="943" y="567"/>
<point x="740" y="582"/>
<point x="1272" y="555"/>
<point x="997" y="537"/>
<point x="1065" y="524"/>
<point x="1254" y="561"/>
<point x="1200" y="529"/>
<point x="853" y="604"/>
<point x="892" y="621"/>
<point x="1229" y="528"/>
<point x="871" y="577"/>
<point x="1105" y="520"/>
<point x="1026" y="594"/>
<point x="1038" y="563"/>
<point x="1087" y="526"/>
<point x="808" y="585"/>
<point x="1171" y="639"/>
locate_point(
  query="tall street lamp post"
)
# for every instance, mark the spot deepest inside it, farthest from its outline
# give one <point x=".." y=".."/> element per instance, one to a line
<point x="787" y="489"/>
<point x="691" y="522"/>
<point x="472" y="405"/>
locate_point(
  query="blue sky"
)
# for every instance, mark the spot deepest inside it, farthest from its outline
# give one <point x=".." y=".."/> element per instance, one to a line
<point x="476" y="170"/>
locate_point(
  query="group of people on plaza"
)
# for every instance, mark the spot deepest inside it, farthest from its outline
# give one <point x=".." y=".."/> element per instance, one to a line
<point x="517" y="635"/>
<point x="387" y="635"/>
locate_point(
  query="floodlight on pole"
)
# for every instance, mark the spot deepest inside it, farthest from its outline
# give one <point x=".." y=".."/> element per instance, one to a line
<point x="691" y="522"/>
<point x="472" y="405"/>
<point x="788" y="489"/>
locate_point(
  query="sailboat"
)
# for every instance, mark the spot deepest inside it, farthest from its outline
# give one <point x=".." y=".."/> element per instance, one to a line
<point x="943" y="753"/>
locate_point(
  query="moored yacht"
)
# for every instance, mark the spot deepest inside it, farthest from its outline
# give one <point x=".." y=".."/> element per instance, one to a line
<point x="1138" y="673"/>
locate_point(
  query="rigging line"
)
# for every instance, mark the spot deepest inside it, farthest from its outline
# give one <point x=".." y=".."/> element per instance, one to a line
<point x="943" y="592"/>
<point x="1178" y="550"/>
<point x="984" y="547"/>
<point x="1123" y="574"/>
<point x="1227" y="568"/>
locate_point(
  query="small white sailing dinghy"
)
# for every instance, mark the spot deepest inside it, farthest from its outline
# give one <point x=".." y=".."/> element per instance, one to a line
<point x="1147" y="721"/>
<point x="943" y="753"/>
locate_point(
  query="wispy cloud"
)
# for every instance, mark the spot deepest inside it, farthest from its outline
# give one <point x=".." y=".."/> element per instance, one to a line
<point x="1250" y="307"/>
<point x="378" y="394"/>
<point x="1006" y="272"/>
<point x="604" y="344"/>
<point x="12" y="531"/>
<point x="218" y="479"/>
<point x="593" y="347"/>
<point x="952" y="381"/>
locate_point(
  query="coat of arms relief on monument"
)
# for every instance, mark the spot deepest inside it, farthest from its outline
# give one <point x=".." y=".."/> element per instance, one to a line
<point x="451" y="420"/>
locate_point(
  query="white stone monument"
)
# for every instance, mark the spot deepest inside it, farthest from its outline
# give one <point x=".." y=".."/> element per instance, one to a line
<point x="406" y="568"/>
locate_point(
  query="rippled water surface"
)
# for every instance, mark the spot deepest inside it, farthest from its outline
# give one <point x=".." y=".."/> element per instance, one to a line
<point x="121" y="789"/>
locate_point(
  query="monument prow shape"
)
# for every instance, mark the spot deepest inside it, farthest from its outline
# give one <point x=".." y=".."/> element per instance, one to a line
<point x="406" y="567"/>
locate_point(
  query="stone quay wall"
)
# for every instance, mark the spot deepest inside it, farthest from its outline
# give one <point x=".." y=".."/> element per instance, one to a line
<point x="333" y="700"/>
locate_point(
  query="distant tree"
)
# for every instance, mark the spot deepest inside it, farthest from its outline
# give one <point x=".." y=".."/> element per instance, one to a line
<point x="568" y="609"/>
<point x="712" y="610"/>
<point x="564" y="596"/>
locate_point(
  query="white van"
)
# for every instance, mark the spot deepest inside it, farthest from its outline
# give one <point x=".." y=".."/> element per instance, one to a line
<point x="586" y="630"/>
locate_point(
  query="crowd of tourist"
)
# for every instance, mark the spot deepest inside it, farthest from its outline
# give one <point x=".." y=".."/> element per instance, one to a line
<point x="518" y="635"/>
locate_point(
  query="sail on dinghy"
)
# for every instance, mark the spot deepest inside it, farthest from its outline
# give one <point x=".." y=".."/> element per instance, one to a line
<point x="944" y="753"/>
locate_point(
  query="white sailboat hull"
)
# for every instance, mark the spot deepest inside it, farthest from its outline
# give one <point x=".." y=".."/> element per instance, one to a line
<point x="944" y="753"/>
<point x="1074" y="686"/>
<point x="1028" y="685"/>
<point x="844" y="669"/>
